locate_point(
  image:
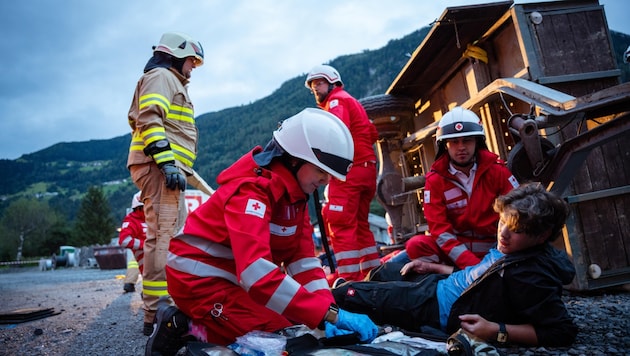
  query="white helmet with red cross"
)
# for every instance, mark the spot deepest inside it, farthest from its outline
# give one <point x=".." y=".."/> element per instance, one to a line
<point x="459" y="122"/>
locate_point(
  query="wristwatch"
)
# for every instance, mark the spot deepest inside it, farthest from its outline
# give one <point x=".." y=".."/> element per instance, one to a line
<point x="502" y="335"/>
<point x="331" y="316"/>
<point x="332" y="313"/>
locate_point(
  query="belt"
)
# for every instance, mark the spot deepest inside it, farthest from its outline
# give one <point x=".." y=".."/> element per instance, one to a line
<point x="366" y="164"/>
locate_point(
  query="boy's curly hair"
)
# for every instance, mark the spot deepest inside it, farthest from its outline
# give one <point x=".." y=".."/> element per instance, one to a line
<point x="533" y="210"/>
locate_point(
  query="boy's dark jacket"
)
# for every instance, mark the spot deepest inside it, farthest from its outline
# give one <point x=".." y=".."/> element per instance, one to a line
<point x="523" y="288"/>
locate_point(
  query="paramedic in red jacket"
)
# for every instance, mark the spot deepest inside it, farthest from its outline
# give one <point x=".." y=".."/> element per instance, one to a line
<point x="245" y="258"/>
<point x="459" y="193"/>
<point x="133" y="232"/>
<point x="346" y="212"/>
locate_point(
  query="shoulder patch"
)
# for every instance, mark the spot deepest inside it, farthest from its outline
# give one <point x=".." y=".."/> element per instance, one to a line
<point x="333" y="103"/>
<point x="256" y="208"/>
<point x="427" y="197"/>
<point x="513" y="181"/>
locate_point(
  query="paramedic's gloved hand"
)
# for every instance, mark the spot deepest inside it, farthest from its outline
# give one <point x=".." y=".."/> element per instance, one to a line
<point x="360" y="323"/>
<point x="174" y="178"/>
<point x="332" y="330"/>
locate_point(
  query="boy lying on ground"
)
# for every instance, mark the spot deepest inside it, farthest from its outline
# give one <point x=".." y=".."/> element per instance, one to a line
<point x="513" y="295"/>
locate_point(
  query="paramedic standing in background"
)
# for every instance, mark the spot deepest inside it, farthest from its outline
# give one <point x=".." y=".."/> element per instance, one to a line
<point x="346" y="212"/>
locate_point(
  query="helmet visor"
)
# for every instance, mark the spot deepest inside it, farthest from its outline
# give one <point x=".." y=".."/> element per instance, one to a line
<point x="461" y="129"/>
<point x="338" y="164"/>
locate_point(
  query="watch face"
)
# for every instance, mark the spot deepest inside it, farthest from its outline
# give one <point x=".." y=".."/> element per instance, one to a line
<point x="502" y="337"/>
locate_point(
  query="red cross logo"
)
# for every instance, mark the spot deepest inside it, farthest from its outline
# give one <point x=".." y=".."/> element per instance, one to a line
<point x="459" y="126"/>
<point x="256" y="206"/>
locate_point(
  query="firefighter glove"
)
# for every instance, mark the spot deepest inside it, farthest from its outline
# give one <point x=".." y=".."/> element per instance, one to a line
<point x="360" y="323"/>
<point x="174" y="178"/>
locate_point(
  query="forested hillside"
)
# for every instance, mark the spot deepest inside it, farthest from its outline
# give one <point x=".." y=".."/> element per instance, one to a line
<point x="61" y="174"/>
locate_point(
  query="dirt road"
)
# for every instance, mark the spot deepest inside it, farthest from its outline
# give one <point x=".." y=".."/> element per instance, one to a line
<point x="97" y="318"/>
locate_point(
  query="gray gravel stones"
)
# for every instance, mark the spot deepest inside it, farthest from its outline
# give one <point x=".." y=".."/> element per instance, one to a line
<point x="97" y="318"/>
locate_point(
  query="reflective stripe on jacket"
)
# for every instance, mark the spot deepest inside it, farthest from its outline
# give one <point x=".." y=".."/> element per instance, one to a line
<point x="255" y="231"/>
<point x="450" y="212"/>
<point x="161" y="109"/>
<point x="133" y="232"/>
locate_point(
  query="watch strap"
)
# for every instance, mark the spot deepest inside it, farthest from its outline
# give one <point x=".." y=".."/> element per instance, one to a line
<point x="502" y="335"/>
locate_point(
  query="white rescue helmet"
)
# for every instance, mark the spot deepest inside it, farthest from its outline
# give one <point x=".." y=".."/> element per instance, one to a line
<point x="320" y="138"/>
<point x="323" y="71"/>
<point x="180" y="45"/>
<point x="135" y="201"/>
<point x="459" y="122"/>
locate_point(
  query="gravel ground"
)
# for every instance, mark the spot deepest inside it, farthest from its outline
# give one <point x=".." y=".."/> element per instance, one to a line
<point x="97" y="318"/>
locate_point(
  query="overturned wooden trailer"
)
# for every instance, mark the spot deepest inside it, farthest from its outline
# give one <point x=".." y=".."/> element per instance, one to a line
<point x="544" y="79"/>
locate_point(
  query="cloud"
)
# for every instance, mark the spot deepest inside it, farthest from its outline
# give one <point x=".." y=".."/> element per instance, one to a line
<point x="70" y="67"/>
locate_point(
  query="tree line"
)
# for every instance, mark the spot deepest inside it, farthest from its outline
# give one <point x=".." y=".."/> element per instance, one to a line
<point x="31" y="227"/>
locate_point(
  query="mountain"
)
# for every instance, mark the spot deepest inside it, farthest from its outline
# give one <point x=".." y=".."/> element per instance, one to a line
<point x="63" y="172"/>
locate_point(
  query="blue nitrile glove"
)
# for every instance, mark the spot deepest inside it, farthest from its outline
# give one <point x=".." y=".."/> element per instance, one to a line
<point x="360" y="323"/>
<point x="332" y="330"/>
<point x="174" y="178"/>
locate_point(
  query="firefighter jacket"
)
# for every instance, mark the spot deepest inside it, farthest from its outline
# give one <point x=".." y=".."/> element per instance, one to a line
<point x="162" y="110"/>
<point x="523" y="288"/>
<point x="452" y="214"/>
<point x="352" y="113"/>
<point x="254" y="231"/>
<point x="133" y="233"/>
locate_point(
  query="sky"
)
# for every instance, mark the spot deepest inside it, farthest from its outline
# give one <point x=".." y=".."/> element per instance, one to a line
<point x="70" y="67"/>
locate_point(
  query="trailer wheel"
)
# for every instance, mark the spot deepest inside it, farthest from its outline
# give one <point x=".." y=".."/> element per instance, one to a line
<point x="387" y="111"/>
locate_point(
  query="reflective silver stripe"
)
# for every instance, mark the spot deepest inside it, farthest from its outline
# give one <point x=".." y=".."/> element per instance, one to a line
<point x="209" y="247"/>
<point x="255" y="272"/>
<point x="456" y="252"/>
<point x="444" y="238"/>
<point x="349" y="268"/>
<point x="318" y="284"/>
<point x="347" y="254"/>
<point x="303" y="265"/>
<point x="368" y="250"/>
<point x="370" y="264"/>
<point x="197" y="268"/>
<point x="283" y="295"/>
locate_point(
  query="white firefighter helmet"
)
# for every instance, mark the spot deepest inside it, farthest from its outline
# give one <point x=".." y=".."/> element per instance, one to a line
<point x="135" y="201"/>
<point x="459" y="122"/>
<point x="323" y="71"/>
<point x="320" y="138"/>
<point x="180" y="45"/>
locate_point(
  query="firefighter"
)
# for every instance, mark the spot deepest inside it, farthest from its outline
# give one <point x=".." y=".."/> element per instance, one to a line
<point x="244" y="260"/>
<point x="132" y="236"/>
<point x="162" y="153"/>
<point x="460" y="189"/>
<point x="348" y="206"/>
